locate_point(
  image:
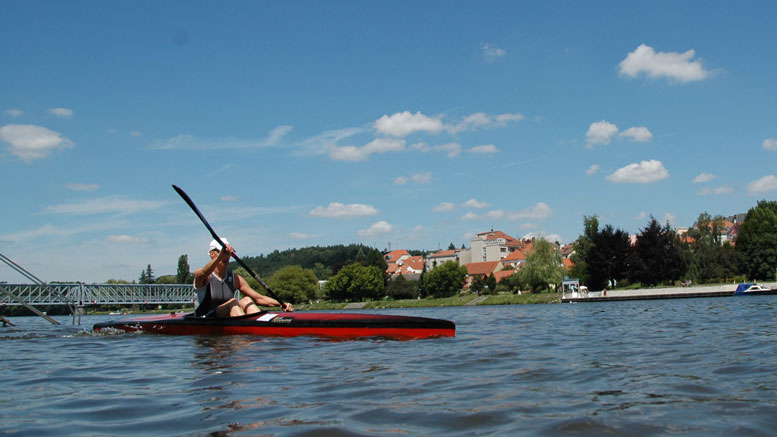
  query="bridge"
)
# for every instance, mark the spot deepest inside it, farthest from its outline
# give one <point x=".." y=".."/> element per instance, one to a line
<point x="79" y="294"/>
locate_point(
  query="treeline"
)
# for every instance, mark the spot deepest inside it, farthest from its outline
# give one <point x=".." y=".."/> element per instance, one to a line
<point x="606" y="257"/>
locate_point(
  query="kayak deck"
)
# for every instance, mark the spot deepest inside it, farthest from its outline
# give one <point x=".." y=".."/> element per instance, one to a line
<point x="279" y="324"/>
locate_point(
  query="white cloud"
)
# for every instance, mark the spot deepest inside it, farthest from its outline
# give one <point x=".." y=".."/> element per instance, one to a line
<point x="136" y="133"/>
<point x="484" y="149"/>
<point x="321" y="143"/>
<point x="83" y="187"/>
<point x="643" y="173"/>
<point x="481" y="120"/>
<point x="761" y="186"/>
<point x="340" y="210"/>
<point x="470" y="216"/>
<point x="378" y="228"/>
<point x="769" y="144"/>
<point x="640" y="134"/>
<point x="445" y="207"/>
<point x="540" y="211"/>
<point x="125" y="239"/>
<point x="640" y="216"/>
<point x="672" y="65"/>
<point x="491" y="52"/>
<point x="105" y="205"/>
<point x="592" y="170"/>
<point x="405" y="123"/>
<point x="354" y="153"/>
<point x="474" y="203"/>
<point x="190" y="142"/>
<point x="704" y="177"/>
<point x="299" y="236"/>
<point x="30" y="142"/>
<point x="716" y="191"/>
<point x="228" y="198"/>
<point x="13" y="112"/>
<point x="453" y="149"/>
<point x="552" y="238"/>
<point x="400" y="180"/>
<point x="61" y="112"/>
<point x="422" y="178"/>
<point x="670" y="218"/>
<point x="600" y="132"/>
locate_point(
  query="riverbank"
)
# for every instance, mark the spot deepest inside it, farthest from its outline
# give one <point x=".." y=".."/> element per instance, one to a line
<point x="720" y="290"/>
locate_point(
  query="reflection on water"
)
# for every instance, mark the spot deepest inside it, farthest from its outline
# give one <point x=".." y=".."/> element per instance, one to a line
<point x="680" y="367"/>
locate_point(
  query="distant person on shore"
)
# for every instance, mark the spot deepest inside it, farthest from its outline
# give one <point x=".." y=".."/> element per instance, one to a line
<point x="215" y="286"/>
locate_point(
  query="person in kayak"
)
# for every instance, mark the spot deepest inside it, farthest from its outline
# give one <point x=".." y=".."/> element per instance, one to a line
<point x="215" y="286"/>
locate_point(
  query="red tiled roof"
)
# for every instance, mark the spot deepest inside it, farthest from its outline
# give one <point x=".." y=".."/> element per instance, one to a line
<point x="443" y="253"/>
<point x="394" y="255"/>
<point x="483" y="268"/>
<point x="503" y="274"/>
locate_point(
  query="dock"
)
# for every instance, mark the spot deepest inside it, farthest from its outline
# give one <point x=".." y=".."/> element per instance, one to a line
<point x="655" y="293"/>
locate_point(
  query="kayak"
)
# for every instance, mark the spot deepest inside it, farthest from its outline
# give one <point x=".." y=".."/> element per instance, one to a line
<point x="282" y="324"/>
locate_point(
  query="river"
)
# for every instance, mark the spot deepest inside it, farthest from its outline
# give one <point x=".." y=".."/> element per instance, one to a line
<point x="661" y="367"/>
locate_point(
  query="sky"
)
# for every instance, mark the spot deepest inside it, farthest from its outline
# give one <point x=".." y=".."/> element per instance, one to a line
<point x="396" y="124"/>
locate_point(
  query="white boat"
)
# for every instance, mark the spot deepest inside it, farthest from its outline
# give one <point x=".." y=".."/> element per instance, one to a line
<point x="753" y="289"/>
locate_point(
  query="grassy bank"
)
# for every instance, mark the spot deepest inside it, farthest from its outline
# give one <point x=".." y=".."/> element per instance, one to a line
<point x="461" y="300"/>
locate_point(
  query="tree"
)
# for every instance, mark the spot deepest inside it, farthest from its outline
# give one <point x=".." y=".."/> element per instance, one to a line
<point x="490" y="283"/>
<point x="543" y="267"/>
<point x="182" y="276"/>
<point x="147" y="276"/>
<point x="451" y="246"/>
<point x="657" y="255"/>
<point x="294" y="284"/>
<point x="708" y="261"/>
<point x="445" y="280"/>
<point x="608" y="258"/>
<point x="402" y="288"/>
<point x="757" y="241"/>
<point x="581" y="247"/>
<point x="355" y="283"/>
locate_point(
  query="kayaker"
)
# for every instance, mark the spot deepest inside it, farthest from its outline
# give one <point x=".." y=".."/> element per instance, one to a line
<point x="215" y="286"/>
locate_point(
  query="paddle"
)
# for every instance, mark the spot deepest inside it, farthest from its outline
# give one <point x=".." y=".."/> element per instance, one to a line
<point x="196" y="210"/>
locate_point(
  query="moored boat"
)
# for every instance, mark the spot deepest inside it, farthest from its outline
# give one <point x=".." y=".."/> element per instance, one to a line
<point x="284" y="324"/>
<point x="752" y="289"/>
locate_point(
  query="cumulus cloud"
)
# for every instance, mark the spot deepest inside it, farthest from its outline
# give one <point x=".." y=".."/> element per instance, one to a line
<point x="540" y="211"/>
<point x="422" y="178"/>
<point x="644" y="172"/>
<point x="340" y="210"/>
<point x="491" y="52"/>
<point x="715" y="191"/>
<point x="640" y="134"/>
<point x="30" y="142"/>
<point x="600" y="132"/>
<point x="400" y="180"/>
<point x="378" y="228"/>
<point x="592" y="170"/>
<point x="761" y="186"/>
<point x="474" y="203"/>
<point x="704" y="177"/>
<point x="299" y="236"/>
<point x="125" y="239"/>
<point x="61" y="112"/>
<point x="482" y="120"/>
<point x="769" y="144"/>
<point x="405" y="123"/>
<point x="445" y="207"/>
<point x="83" y="187"/>
<point x="672" y="65"/>
<point x="13" y="112"/>
<point x="354" y="153"/>
<point x="452" y="149"/>
<point x="483" y="149"/>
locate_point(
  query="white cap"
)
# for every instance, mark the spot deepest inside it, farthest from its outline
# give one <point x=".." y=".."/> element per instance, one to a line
<point x="215" y="244"/>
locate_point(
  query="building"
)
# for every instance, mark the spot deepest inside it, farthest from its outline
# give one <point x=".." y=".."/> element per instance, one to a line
<point x="494" y="246"/>
<point x="460" y="256"/>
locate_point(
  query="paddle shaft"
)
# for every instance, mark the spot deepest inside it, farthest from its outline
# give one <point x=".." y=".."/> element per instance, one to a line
<point x="196" y="210"/>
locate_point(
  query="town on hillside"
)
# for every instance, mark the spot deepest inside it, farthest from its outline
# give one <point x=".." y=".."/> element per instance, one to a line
<point x="497" y="253"/>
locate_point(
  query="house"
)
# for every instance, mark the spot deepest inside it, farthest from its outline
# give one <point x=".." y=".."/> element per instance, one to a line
<point x="494" y="246"/>
<point x="400" y="262"/>
<point x="517" y="257"/>
<point x="396" y="255"/>
<point x="460" y="256"/>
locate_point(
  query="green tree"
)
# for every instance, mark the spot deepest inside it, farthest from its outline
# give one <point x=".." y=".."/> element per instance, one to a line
<point x="543" y="269"/>
<point x="183" y="273"/>
<point x="147" y="276"/>
<point x="708" y="260"/>
<point x="491" y="284"/>
<point x="608" y="258"/>
<point x="451" y="246"/>
<point x="294" y="284"/>
<point x="657" y="255"/>
<point x="757" y="241"/>
<point x="402" y="288"/>
<point x="445" y="280"/>
<point x="581" y="247"/>
<point x="355" y="283"/>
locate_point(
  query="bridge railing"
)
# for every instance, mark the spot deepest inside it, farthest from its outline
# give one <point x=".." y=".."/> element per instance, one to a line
<point x="97" y="294"/>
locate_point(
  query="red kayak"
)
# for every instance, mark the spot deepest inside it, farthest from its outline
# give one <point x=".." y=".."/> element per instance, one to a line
<point x="281" y="324"/>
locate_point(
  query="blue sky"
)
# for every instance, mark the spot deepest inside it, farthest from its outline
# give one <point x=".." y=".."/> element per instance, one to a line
<point x="414" y="124"/>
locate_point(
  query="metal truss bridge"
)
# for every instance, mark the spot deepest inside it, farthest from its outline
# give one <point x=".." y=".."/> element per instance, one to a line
<point x="79" y="295"/>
